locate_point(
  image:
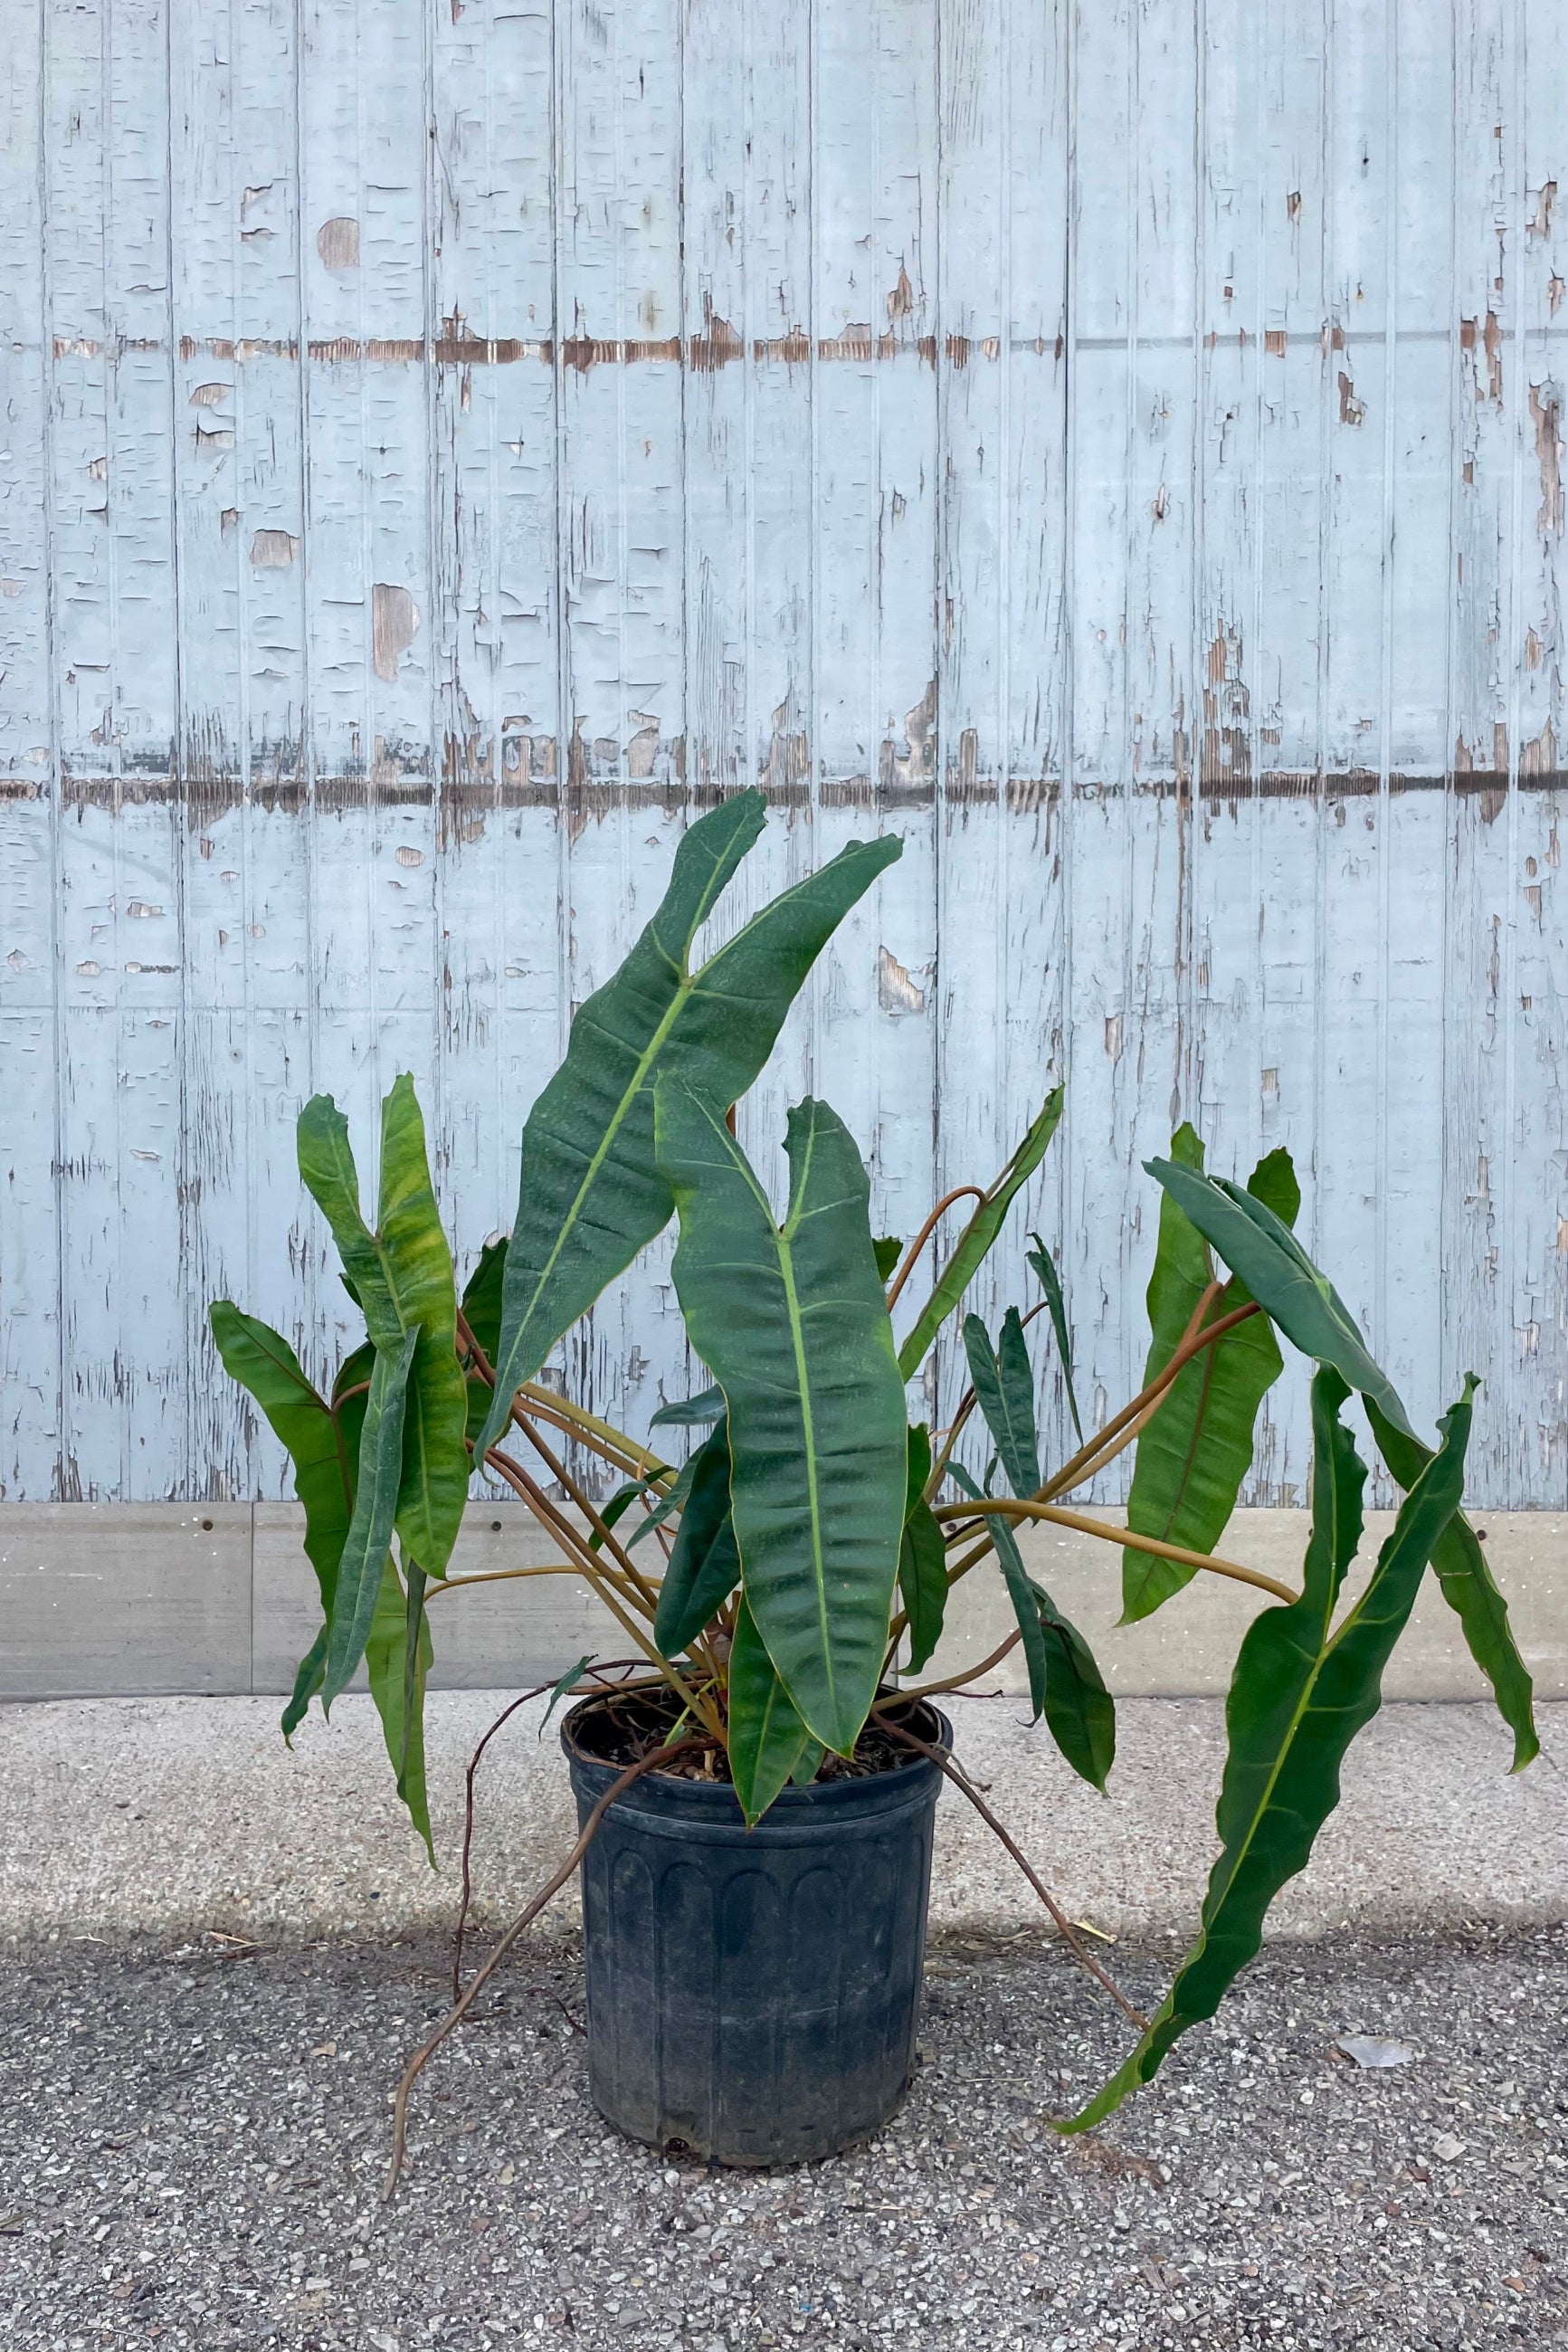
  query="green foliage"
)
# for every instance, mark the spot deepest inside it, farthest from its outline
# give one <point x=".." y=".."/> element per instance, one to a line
<point x="889" y="1250"/>
<point x="263" y="1362"/>
<point x="1300" y="1692"/>
<point x="1470" y="1591"/>
<point x="768" y="1740"/>
<point x="1044" y="1265"/>
<point x="1198" y="1448"/>
<point x="691" y="1411"/>
<point x="592" y="1191"/>
<point x="402" y="1276"/>
<point x="1065" y="1686"/>
<point x="802" y="1512"/>
<point x="1004" y="1388"/>
<point x="792" y="1321"/>
<point x="921" y="1558"/>
<point x="975" y="1242"/>
<point x="704" y="1566"/>
<point x="398" y="1658"/>
<point x="1262" y="1250"/>
<point x="368" y="1539"/>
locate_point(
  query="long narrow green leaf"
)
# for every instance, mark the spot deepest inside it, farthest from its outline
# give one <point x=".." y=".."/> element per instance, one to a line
<point x="767" y="1737"/>
<point x="591" y="1194"/>
<point x="1260" y="1247"/>
<point x="402" y="1276"/>
<point x="1278" y="1274"/>
<point x="974" y="1243"/>
<point x="1470" y="1591"/>
<point x="398" y="1658"/>
<point x="368" y="1538"/>
<point x="792" y="1322"/>
<point x="1194" y="1454"/>
<point x="704" y="1566"/>
<point x="482" y="1298"/>
<point x="1079" y="1713"/>
<point x="307" y="1680"/>
<point x="690" y="1412"/>
<point x="922" y="1557"/>
<point x="1298" y="1695"/>
<point x="1065" y="1685"/>
<point x="1004" y="1386"/>
<point x="264" y="1363"/>
<point x="1044" y="1265"/>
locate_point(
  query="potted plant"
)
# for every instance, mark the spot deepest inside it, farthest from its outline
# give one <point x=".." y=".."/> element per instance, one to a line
<point x="756" y="1781"/>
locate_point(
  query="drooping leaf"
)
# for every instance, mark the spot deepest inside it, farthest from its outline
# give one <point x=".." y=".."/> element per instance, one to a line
<point x="368" y="1538"/>
<point x="1044" y="1265"/>
<point x="974" y="1243"/>
<point x="704" y="1566"/>
<point x="1470" y="1591"/>
<point x="614" y="1510"/>
<point x="691" y="1411"/>
<point x="591" y="1194"/>
<point x="402" y="1277"/>
<point x="1195" y="1451"/>
<point x="1255" y="1245"/>
<point x="793" y="1323"/>
<point x="889" y="1250"/>
<point x="1020" y="1592"/>
<point x="572" y="1676"/>
<point x="810" y="1765"/>
<point x="767" y="1737"/>
<point x="921" y="1558"/>
<point x="307" y="1680"/>
<point x="264" y="1363"/>
<point x="398" y="1658"/>
<point x="1259" y="1247"/>
<point x="1065" y="1686"/>
<point x="322" y="1441"/>
<point x="1300" y="1694"/>
<point x="1079" y="1713"/>
<point x="1004" y="1388"/>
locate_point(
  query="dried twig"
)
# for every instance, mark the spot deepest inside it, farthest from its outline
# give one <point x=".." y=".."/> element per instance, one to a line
<point x="504" y="1715"/>
<point x="481" y="1976"/>
<point x="961" y="1781"/>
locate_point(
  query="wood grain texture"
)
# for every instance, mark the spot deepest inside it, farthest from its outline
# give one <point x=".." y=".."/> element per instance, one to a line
<point x="1120" y="448"/>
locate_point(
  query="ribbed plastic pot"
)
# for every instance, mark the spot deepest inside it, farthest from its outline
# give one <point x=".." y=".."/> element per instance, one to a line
<point x="753" y="1996"/>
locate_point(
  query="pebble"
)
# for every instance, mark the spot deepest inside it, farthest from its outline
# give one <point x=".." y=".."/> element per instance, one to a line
<point x="187" y="2170"/>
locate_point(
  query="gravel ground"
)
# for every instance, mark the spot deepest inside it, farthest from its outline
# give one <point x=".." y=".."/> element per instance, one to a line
<point x="193" y="2143"/>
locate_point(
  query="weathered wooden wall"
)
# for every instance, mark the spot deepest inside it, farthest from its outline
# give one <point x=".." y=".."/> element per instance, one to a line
<point x="1119" y="446"/>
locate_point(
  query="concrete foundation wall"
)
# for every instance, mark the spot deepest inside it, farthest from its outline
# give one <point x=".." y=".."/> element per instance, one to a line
<point x="128" y="1600"/>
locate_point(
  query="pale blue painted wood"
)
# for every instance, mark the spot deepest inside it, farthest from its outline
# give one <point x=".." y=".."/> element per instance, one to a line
<point x="442" y="448"/>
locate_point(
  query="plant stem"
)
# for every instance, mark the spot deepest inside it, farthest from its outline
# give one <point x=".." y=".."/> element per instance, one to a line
<point x="1086" y="1461"/>
<point x="613" y="1444"/>
<point x="500" y="1576"/>
<point x="1009" y="1507"/>
<point x="569" y="1486"/>
<point x="961" y="1781"/>
<point x="969" y="1675"/>
<point x="912" y="1255"/>
<point x="460" y="2007"/>
<point x="507" y="1712"/>
<point x="592" y="1570"/>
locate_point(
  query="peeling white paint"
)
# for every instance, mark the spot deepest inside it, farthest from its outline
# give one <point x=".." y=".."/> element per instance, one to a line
<point x="414" y="509"/>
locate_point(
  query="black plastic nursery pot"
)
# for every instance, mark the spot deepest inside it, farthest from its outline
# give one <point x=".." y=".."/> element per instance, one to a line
<point x="753" y="1995"/>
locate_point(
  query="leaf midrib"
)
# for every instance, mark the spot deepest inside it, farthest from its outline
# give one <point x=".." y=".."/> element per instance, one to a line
<point x="686" y="985"/>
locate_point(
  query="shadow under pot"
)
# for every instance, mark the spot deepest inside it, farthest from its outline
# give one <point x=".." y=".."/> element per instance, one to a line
<point x="753" y="1996"/>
